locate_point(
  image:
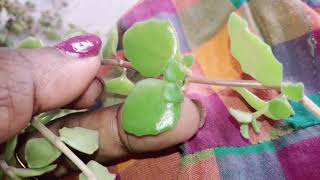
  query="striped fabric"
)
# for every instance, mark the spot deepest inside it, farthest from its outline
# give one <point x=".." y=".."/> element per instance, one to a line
<point x="287" y="150"/>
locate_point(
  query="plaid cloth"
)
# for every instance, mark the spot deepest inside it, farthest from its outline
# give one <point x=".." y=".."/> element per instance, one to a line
<point x="287" y="150"/>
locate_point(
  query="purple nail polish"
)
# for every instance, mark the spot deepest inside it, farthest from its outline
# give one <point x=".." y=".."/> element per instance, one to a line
<point x="81" y="46"/>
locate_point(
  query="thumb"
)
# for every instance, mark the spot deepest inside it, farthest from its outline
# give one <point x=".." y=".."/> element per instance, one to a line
<point x="38" y="80"/>
<point x="63" y="73"/>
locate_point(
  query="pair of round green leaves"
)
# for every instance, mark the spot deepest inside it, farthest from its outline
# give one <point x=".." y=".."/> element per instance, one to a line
<point x="152" y="107"/>
<point x="39" y="152"/>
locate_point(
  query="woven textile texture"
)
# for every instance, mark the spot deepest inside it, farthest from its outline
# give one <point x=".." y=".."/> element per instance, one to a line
<point x="283" y="150"/>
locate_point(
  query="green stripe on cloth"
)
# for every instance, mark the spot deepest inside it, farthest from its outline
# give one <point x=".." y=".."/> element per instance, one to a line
<point x="254" y="149"/>
<point x="238" y="3"/>
<point x="194" y="158"/>
<point x="201" y="21"/>
<point x="303" y="117"/>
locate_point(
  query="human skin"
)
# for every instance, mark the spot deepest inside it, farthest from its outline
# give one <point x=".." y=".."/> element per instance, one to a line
<point x="39" y="80"/>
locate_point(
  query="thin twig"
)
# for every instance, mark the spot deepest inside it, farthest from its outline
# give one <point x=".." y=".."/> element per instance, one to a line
<point x="308" y="103"/>
<point x="230" y="83"/>
<point x="190" y="78"/>
<point x="201" y="80"/>
<point x="8" y="171"/>
<point x="113" y="62"/>
<point x="63" y="148"/>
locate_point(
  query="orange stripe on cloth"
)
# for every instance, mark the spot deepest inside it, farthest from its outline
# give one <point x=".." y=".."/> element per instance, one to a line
<point x="215" y="58"/>
<point x="125" y="165"/>
<point x="163" y="167"/>
<point x="206" y="169"/>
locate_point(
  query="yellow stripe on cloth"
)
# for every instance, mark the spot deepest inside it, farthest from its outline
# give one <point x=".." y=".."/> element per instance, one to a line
<point x="215" y="59"/>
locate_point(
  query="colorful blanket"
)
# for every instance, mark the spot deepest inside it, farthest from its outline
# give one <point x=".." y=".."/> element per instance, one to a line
<point x="285" y="150"/>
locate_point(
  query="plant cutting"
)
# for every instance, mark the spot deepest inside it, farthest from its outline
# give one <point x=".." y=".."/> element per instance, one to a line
<point x="153" y="104"/>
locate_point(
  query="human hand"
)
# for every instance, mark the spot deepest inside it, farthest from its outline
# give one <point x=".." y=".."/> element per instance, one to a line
<point x="35" y="81"/>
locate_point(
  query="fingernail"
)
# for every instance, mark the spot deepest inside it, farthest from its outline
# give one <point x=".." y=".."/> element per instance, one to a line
<point x="81" y="46"/>
<point x="201" y="107"/>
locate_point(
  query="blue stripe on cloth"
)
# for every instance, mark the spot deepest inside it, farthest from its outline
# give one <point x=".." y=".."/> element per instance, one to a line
<point x="312" y="3"/>
<point x="297" y="136"/>
<point x="303" y="117"/>
<point x="238" y="3"/>
<point x="301" y="61"/>
<point x="254" y="162"/>
<point x="260" y="161"/>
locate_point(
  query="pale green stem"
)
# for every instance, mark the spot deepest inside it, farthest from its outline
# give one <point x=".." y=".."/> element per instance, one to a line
<point x="260" y="112"/>
<point x="63" y="148"/>
<point x="8" y="171"/>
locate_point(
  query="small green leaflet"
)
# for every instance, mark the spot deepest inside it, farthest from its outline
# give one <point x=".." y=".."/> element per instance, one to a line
<point x="174" y="72"/>
<point x="241" y="116"/>
<point x="280" y="108"/>
<point x="294" y="92"/>
<point x="173" y="93"/>
<point x="120" y="85"/>
<point x="149" y="45"/>
<point x="244" y="130"/>
<point x="30" y="43"/>
<point x="81" y="139"/>
<point x="254" y="56"/>
<point x="27" y="172"/>
<point x="100" y="171"/>
<point x="147" y="110"/>
<point x="9" y="151"/>
<point x="254" y="101"/>
<point x="256" y="126"/>
<point x="39" y="153"/>
<point x="110" y="49"/>
<point x="188" y="60"/>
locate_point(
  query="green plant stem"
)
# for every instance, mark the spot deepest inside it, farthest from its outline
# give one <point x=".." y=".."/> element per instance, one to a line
<point x="190" y="78"/>
<point x="201" y="80"/>
<point x="63" y="148"/>
<point x="8" y="171"/>
<point x="260" y="112"/>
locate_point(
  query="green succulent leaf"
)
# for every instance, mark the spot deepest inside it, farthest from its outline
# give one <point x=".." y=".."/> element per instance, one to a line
<point x="256" y="126"/>
<point x="120" y="85"/>
<point x="28" y="172"/>
<point x="100" y="171"/>
<point x="147" y="112"/>
<point x="241" y="116"/>
<point x="174" y="72"/>
<point x="173" y="93"/>
<point x="9" y="151"/>
<point x="188" y="60"/>
<point x="280" y="108"/>
<point x="30" y="43"/>
<point x="81" y="139"/>
<point x="39" y="153"/>
<point x="150" y="45"/>
<point x="110" y="49"/>
<point x="254" y="101"/>
<point x="294" y="92"/>
<point x="254" y="56"/>
<point x="244" y="130"/>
